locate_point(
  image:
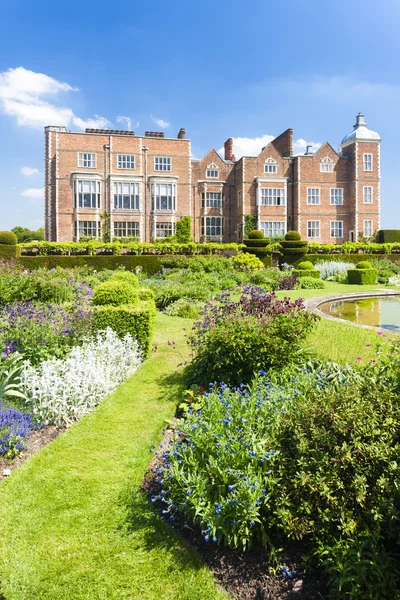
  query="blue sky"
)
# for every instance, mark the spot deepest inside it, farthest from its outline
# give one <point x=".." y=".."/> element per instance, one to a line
<point x="219" y="69"/>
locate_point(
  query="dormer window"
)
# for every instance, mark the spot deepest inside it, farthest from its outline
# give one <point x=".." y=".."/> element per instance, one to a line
<point x="270" y="165"/>
<point x="212" y="171"/>
<point x="326" y="165"/>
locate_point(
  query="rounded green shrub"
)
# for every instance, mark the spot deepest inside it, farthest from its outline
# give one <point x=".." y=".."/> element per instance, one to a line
<point x="115" y="293"/>
<point x="126" y="276"/>
<point x="364" y="264"/>
<point x="310" y="283"/>
<point x="256" y="234"/>
<point x="292" y="236"/>
<point x="8" y="238"/>
<point x="247" y="261"/>
<point x="146" y="294"/>
<point x="305" y="265"/>
<point x="184" y="307"/>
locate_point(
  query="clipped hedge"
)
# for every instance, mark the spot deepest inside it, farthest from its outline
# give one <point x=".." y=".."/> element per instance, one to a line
<point x="256" y="234"/>
<point x="350" y="258"/>
<point x="260" y="252"/>
<point x="307" y="273"/>
<point x="150" y="264"/>
<point x="115" y="293"/>
<point x="291" y="244"/>
<point x="388" y="236"/>
<point x="126" y="277"/>
<point x="362" y="276"/>
<point x="145" y="294"/>
<point x="293" y="236"/>
<point x="10" y="251"/>
<point x="256" y="243"/>
<point x="137" y="320"/>
<point x="8" y="238"/>
<point x="364" y="264"/>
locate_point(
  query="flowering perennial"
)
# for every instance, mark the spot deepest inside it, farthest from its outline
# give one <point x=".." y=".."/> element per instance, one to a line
<point x="15" y="426"/>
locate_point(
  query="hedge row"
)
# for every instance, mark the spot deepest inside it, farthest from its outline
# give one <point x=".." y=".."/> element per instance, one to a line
<point x="350" y="258"/>
<point x="353" y="248"/>
<point x="8" y="252"/>
<point x="314" y="273"/>
<point x="149" y="264"/>
<point x="93" y="248"/>
<point x="388" y="236"/>
<point x="362" y="276"/>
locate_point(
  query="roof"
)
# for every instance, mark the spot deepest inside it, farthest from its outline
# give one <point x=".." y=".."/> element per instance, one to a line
<point x="361" y="132"/>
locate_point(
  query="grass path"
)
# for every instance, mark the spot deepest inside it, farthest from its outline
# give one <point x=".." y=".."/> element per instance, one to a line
<point x="73" y="524"/>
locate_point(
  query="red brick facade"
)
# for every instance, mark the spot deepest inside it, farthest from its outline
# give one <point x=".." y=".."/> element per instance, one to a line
<point x="122" y="185"/>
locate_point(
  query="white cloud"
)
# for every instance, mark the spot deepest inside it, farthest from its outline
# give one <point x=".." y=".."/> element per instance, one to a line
<point x="28" y="171"/>
<point x="33" y="193"/>
<point x="23" y="95"/>
<point x="127" y="121"/>
<point x="300" y="146"/>
<point x="161" y="122"/>
<point x="244" y="146"/>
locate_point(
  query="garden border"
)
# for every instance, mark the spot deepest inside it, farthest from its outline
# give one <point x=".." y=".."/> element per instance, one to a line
<point x="313" y="304"/>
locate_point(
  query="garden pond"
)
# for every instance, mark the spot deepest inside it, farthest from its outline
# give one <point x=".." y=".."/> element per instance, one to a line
<point x="374" y="312"/>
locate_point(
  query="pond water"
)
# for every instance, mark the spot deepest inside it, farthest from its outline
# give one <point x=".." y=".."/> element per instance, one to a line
<point x="376" y="312"/>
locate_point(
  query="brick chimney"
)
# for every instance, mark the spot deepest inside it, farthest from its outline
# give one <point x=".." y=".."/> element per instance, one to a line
<point x="182" y="133"/>
<point x="228" y="149"/>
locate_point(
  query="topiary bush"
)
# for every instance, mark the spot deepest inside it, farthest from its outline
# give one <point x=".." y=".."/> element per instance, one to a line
<point x="310" y="283"/>
<point x="306" y="273"/>
<point x="126" y="276"/>
<point x="8" y="238"/>
<point x="256" y="234"/>
<point x="256" y="243"/>
<point x="292" y="236"/>
<point x="362" y="276"/>
<point x="364" y="264"/>
<point x="145" y="294"/>
<point x="114" y="293"/>
<point x="305" y="265"/>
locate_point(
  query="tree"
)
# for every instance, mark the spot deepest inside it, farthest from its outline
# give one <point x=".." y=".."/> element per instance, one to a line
<point x="28" y="235"/>
<point x="183" y="231"/>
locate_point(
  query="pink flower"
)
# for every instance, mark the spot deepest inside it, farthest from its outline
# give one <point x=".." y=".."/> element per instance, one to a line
<point x="359" y="358"/>
<point x="372" y="361"/>
<point x="367" y="345"/>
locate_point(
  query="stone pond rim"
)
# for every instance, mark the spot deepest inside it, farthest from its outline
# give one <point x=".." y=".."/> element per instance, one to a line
<point x="313" y="304"/>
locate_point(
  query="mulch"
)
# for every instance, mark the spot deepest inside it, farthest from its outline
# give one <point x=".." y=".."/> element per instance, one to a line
<point x="245" y="576"/>
<point x="36" y="440"/>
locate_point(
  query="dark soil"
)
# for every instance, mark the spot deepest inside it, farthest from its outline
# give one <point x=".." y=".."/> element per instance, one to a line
<point x="36" y="440"/>
<point x="245" y="576"/>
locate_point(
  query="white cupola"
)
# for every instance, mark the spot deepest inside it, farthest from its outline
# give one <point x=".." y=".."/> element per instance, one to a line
<point x="360" y="133"/>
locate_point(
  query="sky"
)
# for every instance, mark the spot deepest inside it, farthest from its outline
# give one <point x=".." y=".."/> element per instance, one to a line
<point x="247" y="70"/>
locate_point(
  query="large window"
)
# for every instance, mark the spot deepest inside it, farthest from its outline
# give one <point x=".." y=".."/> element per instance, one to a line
<point x="273" y="196"/>
<point x="313" y="230"/>
<point x="126" y="161"/>
<point x="86" y="160"/>
<point x="273" y="229"/>
<point x="86" y="194"/>
<point x="326" y="165"/>
<point x="337" y="196"/>
<point x="212" y="199"/>
<point x="367" y="194"/>
<point x="163" y="196"/>
<point x="313" y="195"/>
<point x="212" y="226"/>
<point x="88" y="229"/>
<point x="127" y="229"/>
<point x="336" y="229"/>
<point x="126" y="196"/>
<point x="164" y="229"/>
<point x="162" y="163"/>
<point x="367" y="162"/>
<point x="368" y="228"/>
<point x="212" y="171"/>
<point x="270" y="166"/>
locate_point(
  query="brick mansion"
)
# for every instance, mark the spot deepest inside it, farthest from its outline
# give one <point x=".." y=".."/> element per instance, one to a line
<point x="142" y="185"/>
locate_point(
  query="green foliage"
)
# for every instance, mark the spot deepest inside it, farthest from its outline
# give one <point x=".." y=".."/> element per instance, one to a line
<point x="55" y="289"/>
<point x="149" y="264"/>
<point x="292" y="236"/>
<point x="184" y="307"/>
<point x="126" y="276"/>
<point x="137" y="320"/>
<point x="247" y="261"/>
<point x="146" y="294"/>
<point x="306" y="273"/>
<point x="256" y="243"/>
<point x="11" y="386"/>
<point x="362" y="276"/>
<point x="28" y="235"/>
<point x="310" y="283"/>
<point x="9" y="252"/>
<point x="389" y="236"/>
<point x="305" y="265"/>
<point x="293" y="244"/>
<point x="9" y="238"/>
<point x="250" y="223"/>
<point x="114" y="293"/>
<point x="364" y="264"/>
<point x="183" y="230"/>
<point x="255" y="234"/>
<point x="259" y="252"/>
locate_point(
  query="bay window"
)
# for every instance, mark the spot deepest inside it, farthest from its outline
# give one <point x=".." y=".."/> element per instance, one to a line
<point x="163" y="196"/>
<point x="126" y="196"/>
<point x="86" y="194"/>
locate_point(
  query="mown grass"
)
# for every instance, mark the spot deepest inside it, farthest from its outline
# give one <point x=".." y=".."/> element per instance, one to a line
<point x="73" y="523"/>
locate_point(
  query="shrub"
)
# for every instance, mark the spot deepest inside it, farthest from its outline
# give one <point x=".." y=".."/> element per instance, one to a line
<point x="336" y="270"/>
<point x="388" y="236"/>
<point x="166" y="293"/>
<point x="256" y="243"/>
<point x="306" y="265"/>
<point x="9" y="252"/>
<point x="306" y="273"/>
<point x="293" y="244"/>
<point x="364" y="264"/>
<point x="114" y="293"/>
<point x="184" y="307"/>
<point x="8" y="238"/>
<point x="256" y="234"/>
<point x="292" y="236"/>
<point x="56" y="290"/>
<point x="145" y="294"/>
<point x="259" y="252"/>
<point x="362" y="276"/>
<point x="184" y="230"/>
<point x="127" y="277"/>
<point x="235" y="339"/>
<point x="247" y="261"/>
<point x="137" y="320"/>
<point x="63" y="391"/>
<point x="310" y="283"/>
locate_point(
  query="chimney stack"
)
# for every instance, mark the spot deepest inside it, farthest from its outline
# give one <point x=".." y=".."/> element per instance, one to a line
<point x="309" y="151"/>
<point x="182" y="133"/>
<point x="228" y="149"/>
